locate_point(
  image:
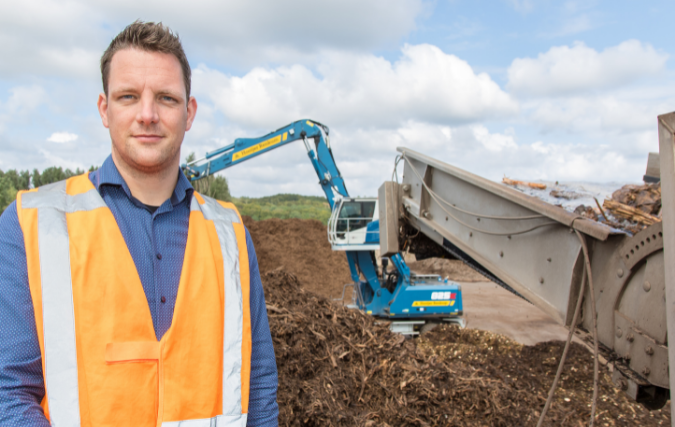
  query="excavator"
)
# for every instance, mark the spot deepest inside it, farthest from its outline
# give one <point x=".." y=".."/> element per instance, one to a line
<point x="410" y="302"/>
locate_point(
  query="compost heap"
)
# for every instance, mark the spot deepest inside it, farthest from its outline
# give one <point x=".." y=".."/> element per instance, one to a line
<point x="339" y="367"/>
<point x="301" y="246"/>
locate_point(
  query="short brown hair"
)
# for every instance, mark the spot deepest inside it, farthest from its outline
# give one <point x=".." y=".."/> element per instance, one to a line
<point x="150" y="37"/>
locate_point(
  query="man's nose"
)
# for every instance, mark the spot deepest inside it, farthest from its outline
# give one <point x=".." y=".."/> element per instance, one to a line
<point x="148" y="114"/>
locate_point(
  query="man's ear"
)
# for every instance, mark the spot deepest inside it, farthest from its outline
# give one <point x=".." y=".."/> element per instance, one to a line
<point x="192" y="112"/>
<point x="103" y="108"/>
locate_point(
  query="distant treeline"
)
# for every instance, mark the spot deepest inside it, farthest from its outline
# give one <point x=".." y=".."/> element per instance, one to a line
<point x="280" y="206"/>
<point x="12" y="181"/>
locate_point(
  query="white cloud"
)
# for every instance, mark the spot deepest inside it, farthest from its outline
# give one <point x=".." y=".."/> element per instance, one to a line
<point x="24" y="99"/>
<point x="619" y="112"/>
<point x="62" y="137"/>
<point x="575" y="25"/>
<point x="425" y="84"/>
<point x="565" y="70"/>
<point x="21" y="104"/>
<point x="302" y="58"/>
<point x="366" y="159"/>
<point x="493" y="154"/>
<point x="594" y="114"/>
<point x="494" y="142"/>
<point x="48" y="37"/>
<point x="304" y="23"/>
<point x="523" y="6"/>
<point x="53" y="159"/>
<point x="51" y="37"/>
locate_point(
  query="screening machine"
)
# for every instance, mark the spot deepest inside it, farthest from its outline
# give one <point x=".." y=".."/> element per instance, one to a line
<point x="622" y="284"/>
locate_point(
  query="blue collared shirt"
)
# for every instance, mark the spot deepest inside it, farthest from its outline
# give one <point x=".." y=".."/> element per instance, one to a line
<point x="157" y="243"/>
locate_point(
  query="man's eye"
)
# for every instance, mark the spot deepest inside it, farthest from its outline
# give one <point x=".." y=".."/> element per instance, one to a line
<point x="126" y="97"/>
<point x="168" y="98"/>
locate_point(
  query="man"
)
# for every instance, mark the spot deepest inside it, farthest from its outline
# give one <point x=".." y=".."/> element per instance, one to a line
<point x="126" y="298"/>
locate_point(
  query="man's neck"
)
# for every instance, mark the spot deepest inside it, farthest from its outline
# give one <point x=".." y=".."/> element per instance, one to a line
<point x="149" y="188"/>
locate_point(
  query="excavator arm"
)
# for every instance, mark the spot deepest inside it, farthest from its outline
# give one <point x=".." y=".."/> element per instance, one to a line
<point x="315" y="137"/>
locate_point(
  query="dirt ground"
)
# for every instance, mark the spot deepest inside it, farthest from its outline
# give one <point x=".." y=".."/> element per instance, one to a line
<point x="489" y="307"/>
<point x="337" y="367"/>
<point x="453" y="269"/>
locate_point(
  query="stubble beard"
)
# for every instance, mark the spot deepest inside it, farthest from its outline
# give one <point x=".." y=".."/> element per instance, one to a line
<point x="161" y="159"/>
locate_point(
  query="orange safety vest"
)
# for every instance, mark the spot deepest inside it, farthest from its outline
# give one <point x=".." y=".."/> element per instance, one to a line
<point x="101" y="361"/>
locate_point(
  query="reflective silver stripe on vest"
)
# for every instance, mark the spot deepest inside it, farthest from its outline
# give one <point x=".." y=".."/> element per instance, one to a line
<point x="234" y="313"/>
<point x="55" y="197"/>
<point x="58" y="314"/>
<point x="224" y="214"/>
<point x="219" y="421"/>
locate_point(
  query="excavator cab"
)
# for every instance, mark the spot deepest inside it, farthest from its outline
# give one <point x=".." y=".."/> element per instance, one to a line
<point x="354" y="225"/>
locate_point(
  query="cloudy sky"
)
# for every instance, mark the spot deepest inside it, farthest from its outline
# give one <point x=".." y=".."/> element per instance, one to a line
<point x="527" y="89"/>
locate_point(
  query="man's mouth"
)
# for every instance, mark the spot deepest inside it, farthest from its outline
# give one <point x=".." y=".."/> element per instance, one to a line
<point x="148" y="137"/>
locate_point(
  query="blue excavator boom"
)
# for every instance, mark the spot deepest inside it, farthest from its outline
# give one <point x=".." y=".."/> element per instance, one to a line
<point x="312" y="133"/>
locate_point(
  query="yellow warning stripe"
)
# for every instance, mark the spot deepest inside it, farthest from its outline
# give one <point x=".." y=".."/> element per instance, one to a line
<point x="433" y="303"/>
<point x="260" y="146"/>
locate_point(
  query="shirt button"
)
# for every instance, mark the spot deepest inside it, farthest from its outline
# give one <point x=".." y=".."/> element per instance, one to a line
<point x="159" y="256"/>
<point x="163" y="300"/>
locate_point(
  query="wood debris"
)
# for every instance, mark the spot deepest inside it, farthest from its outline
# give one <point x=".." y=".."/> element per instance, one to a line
<point x="514" y="183"/>
<point x="633" y="207"/>
<point x="629" y="213"/>
<point x="340" y="367"/>
<point x="646" y="198"/>
<point x="566" y="194"/>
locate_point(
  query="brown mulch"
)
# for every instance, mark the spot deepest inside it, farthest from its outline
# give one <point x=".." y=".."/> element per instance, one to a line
<point x="338" y="367"/>
<point x="301" y="247"/>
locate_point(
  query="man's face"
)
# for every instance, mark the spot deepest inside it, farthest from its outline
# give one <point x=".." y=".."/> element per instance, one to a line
<point x="146" y="110"/>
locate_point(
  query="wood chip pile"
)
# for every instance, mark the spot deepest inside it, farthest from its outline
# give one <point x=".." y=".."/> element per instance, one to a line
<point x="338" y="367"/>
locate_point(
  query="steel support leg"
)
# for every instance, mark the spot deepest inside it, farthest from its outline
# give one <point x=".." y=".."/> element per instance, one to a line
<point x="667" y="155"/>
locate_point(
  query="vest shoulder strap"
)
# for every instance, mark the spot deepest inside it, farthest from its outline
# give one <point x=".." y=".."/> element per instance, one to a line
<point x="226" y="219"/>
<point x="68" y="196"/>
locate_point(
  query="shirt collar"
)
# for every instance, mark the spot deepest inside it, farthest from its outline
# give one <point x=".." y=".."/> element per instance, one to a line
<point x="108" y="174"/>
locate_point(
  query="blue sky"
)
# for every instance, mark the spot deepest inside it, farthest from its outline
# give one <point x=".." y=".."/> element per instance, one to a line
<point x="532" y="90"/>
<point x="491" y="34"/>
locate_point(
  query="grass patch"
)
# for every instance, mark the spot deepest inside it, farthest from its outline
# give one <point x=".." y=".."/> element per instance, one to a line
<point x="284" y="206"/>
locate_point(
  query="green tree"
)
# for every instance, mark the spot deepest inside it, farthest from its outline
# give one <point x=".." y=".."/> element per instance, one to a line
<point x="13" y="181"/>
<point x="10" y="183"/>
<point x="7" y="192"/>
<point x="20" y="179"/>
<point x="212" y="186"/>
<point x="53" y="174"/>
